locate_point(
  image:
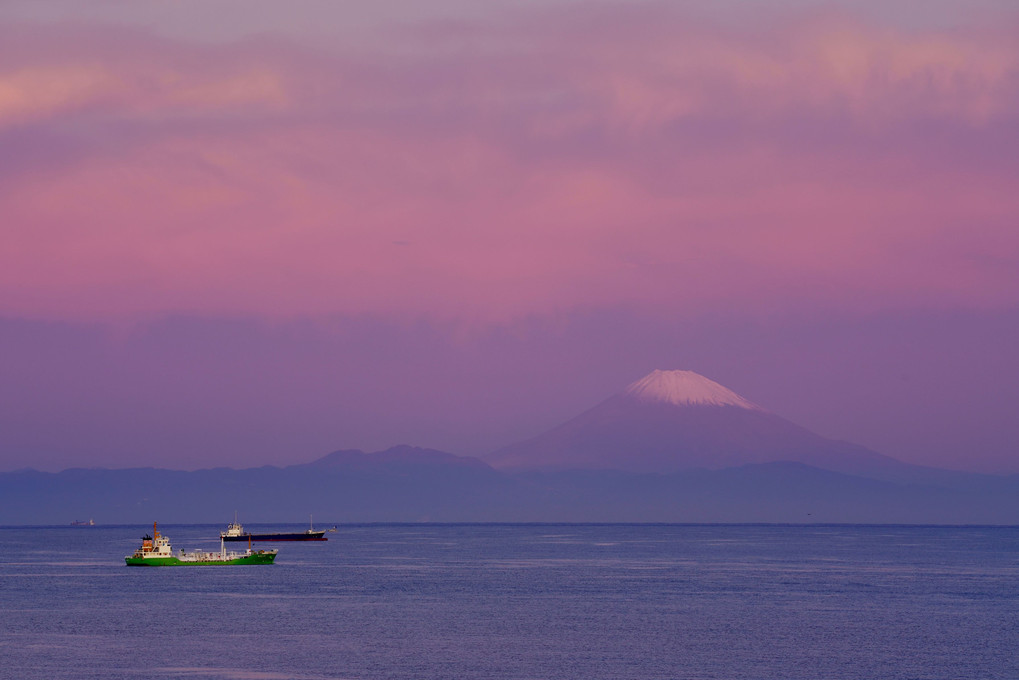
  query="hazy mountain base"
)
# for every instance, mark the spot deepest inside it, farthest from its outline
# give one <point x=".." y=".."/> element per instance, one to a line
<point x="412" y="485"/>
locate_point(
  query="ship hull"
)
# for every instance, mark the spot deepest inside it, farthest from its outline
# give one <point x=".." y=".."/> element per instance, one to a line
<point x="255" y="558"/>
<point x="302" y="536"/>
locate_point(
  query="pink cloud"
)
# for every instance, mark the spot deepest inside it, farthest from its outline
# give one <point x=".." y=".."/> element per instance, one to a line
<point x="496" y="170"/>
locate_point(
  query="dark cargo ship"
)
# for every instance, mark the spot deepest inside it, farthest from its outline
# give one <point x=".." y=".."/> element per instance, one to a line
<point x="235" y="532"/>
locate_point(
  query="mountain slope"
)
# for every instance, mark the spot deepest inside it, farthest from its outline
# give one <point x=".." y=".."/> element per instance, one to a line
<point x="677" y="420"/>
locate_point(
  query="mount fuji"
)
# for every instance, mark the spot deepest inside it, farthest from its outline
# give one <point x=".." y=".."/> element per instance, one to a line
<point x="670" y="421"/>
<point x="672" y="447"/>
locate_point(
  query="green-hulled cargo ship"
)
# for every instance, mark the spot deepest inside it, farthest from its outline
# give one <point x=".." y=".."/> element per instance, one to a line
<point x="155" y="551"/>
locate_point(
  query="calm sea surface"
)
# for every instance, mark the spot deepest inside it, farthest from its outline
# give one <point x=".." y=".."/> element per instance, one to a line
<point x="520" y="601"/>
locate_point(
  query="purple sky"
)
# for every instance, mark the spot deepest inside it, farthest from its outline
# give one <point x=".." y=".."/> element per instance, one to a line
<point x="236" y="235"/>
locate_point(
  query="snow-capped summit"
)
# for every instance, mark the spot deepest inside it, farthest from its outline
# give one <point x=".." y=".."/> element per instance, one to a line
<point x="685" y="388"/>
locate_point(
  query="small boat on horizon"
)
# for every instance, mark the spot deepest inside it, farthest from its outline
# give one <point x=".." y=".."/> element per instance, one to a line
<point x="155" y="551"/>
<point x="235" y="532"/>
<point x="83" y="523"/>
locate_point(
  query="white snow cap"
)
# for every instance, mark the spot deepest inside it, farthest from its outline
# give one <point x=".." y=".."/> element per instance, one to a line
<point x="685" y="388"/>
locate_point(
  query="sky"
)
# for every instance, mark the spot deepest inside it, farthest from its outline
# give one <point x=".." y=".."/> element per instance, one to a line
<point x="238" y="233"/>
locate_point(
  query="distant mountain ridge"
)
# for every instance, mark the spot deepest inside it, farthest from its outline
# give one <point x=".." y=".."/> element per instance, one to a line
<point x="358" y="487"/>
<point x="672" y="447"/>
<point x="394" y="456"/>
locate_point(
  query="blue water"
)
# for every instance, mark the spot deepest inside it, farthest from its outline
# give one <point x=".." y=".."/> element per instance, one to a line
<point x="520" y="601"/>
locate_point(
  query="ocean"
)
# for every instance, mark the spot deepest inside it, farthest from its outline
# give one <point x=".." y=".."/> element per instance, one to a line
<point x="391" y="601"/>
